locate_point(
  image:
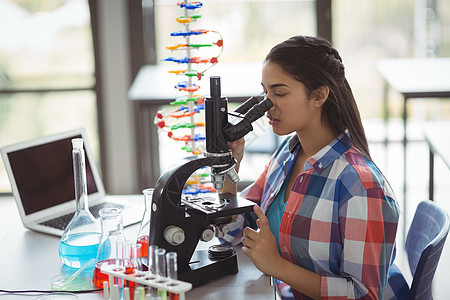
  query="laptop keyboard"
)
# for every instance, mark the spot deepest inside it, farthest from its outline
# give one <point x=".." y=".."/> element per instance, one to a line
<point x="58" y="223"/>
<point x="61" y="222"/>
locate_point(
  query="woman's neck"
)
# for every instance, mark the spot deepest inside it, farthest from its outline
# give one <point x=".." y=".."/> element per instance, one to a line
<point x="313" y="141"/>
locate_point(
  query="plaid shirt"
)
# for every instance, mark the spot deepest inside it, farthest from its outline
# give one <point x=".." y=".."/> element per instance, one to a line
<point x="340" y="220"/>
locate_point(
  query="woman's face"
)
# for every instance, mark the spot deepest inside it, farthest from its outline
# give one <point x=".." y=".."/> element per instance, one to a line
<point x="292" y="109"/>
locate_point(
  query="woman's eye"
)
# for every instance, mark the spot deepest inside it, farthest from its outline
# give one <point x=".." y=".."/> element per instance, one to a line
<point x="279" y="95"/>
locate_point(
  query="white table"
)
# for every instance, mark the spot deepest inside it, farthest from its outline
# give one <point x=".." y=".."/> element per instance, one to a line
<point x="29" y="259"/>
<point x="414" y="78"/>
<point x="436" y="135"/>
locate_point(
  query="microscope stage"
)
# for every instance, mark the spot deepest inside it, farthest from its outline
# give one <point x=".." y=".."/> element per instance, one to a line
<point x="215" y="205"/>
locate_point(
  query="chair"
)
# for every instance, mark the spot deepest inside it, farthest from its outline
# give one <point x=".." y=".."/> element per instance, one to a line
<point x="424" y="244"/>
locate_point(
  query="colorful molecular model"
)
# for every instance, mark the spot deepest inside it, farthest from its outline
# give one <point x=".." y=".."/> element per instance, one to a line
<point x="185" y="124"/>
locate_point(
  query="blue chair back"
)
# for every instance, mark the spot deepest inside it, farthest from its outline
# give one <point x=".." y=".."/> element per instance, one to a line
<point x="424" y="243"/>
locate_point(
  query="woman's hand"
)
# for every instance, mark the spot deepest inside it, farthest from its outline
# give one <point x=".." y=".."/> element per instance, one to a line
<point x="260" y="246"/>
<point x="237" y="149"/>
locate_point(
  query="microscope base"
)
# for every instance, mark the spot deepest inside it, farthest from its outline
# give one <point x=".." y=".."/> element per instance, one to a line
<point x="203" y="269"/>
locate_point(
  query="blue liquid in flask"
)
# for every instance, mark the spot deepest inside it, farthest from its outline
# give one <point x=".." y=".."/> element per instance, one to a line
<point x="79" y="248"/>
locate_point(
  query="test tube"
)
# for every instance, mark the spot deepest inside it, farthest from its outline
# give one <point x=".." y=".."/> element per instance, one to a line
<point x="131" y="258"/>
<point x="161" y="262"/>
<point x="171" y="260"/>
<point x="152" y="268"/>
<point x="129" y="268"/>
<point x="136" y="249"/>
<point x="152" y="259"/>
<point x="119" y="264"/>
<point x="119" y="253"/>
<point x="161" y="271"/>
<point x="105" y="290"/>
<point x="136" y="262"/>
<point x="126" y="293"/>
<point x="130" y="264"/>
<point x="139" y="293"/>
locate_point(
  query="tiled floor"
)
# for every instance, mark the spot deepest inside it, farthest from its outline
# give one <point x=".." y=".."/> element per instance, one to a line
<point x="390" y="160"/>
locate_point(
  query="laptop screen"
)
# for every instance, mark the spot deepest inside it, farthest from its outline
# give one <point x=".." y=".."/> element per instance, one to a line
<point x="44" y="174"/>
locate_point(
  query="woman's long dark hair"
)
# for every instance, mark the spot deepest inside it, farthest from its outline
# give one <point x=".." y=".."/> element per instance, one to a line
<point x="313" y="62"/>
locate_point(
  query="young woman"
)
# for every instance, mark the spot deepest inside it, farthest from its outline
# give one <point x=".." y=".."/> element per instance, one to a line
<point x="327" y="218"/>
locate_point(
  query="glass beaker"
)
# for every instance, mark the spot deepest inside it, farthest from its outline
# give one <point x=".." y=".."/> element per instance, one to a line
<point x="80" y="240"/>
<point x="112" y="243"/>
<point x="143" y="237"/>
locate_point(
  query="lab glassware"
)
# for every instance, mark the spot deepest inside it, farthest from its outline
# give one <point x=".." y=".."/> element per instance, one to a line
<point x="132" y="265"/>
<point x="112" y="243"/>
<point x="132" y="255"/>
<point x="144" y="229"/>
<point x="161" y="270"/>
<point x="99" y="278"/>
<point x="172" y="269"/>
<point x="80" y="240"/>
<point x="152" y="267"/>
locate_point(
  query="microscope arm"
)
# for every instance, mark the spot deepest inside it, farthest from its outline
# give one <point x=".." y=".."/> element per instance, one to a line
<point x="168" y="212"/>
<point x="178" y="224"/>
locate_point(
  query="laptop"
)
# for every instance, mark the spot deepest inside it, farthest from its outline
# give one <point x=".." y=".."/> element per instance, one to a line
<point x="42" y="181"/>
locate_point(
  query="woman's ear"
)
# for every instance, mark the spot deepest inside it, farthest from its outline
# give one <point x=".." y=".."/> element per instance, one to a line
<point x="320" y="95"/>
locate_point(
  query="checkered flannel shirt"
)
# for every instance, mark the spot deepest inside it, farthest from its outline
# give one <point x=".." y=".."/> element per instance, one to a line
<point x="340" y="220"/>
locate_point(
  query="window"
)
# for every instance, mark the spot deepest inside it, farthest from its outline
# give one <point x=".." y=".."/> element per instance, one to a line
<point x="46" y="71"/>
<point x="366" y="31"/>
<point x="249" y="30"/>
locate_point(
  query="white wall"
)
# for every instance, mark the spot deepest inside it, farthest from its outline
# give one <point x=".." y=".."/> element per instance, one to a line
<point x="119" y="140"/>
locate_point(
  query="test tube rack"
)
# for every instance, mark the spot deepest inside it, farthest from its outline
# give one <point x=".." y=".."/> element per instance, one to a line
<point x="141" y="278"/>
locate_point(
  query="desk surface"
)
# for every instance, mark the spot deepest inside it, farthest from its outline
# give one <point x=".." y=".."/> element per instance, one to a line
<point x="436" y="135"/>
<point x="154" y="83"/>
<point x="29" y="259"/>
<point x="416" y="75"/>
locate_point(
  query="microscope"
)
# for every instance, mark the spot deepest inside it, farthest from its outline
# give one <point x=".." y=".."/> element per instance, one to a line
<point x="178" y="221"/>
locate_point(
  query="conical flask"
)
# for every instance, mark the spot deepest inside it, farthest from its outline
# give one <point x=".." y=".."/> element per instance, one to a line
<point x="80" y="240"/>
<point x="112" y="243"/>
<point x="143" y="237"/>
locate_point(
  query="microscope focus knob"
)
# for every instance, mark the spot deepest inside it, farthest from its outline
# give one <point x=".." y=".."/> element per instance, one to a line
<point x="224" y="228"/>
<point x="207" y="234"/>
<point x="174" y="235"/>
<point x="221" y="230"/>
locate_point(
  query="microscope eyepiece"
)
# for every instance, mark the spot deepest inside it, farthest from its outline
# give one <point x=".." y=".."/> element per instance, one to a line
<point x="215" y="86"/>
<point x="258" y="110"/>
<point x="249" y="103"/>
<point x="235" y="132"/>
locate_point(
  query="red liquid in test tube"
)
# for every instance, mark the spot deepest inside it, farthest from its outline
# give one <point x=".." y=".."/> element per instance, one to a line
<point x="143" y="240"/>
<point x="129" y="269"/>
<point x="132" y="254"/>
